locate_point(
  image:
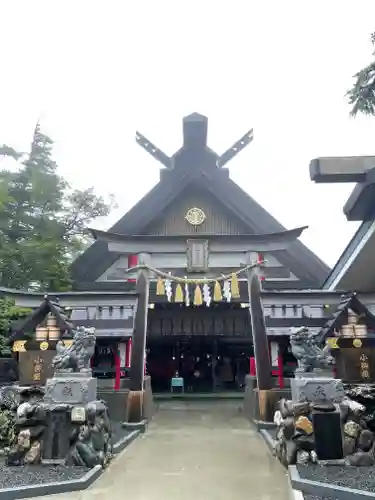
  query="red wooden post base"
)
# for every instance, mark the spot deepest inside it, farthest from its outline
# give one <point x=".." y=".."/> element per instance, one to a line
<point x="117" y="369"/>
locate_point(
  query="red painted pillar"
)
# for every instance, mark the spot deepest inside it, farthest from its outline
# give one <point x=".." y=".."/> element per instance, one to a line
<point x="128" y="354"/>
<point x="252" y="367"/>
<point x="132" y="262"/>
<point x="117" y="368"/>
<point x="261" y="259"/>
<point x="280" y="374"/>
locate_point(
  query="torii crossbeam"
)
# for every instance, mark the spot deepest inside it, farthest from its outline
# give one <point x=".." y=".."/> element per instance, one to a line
<point x="359" y="169"/>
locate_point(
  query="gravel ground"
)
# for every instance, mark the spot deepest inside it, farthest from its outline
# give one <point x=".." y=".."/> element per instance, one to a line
<point x="360" y="478"/>
<point x="37" y="474"/>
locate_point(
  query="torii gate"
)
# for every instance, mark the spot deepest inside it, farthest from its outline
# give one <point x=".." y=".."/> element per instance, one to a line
<point x="359" y="169"/>
<point x="196" y="155"/>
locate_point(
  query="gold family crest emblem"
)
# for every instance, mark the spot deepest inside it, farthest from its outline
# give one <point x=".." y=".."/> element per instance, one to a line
<point x="195" y="216"/>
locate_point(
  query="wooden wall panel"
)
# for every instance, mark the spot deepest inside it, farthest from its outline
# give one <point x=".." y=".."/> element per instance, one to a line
<point x="199" y="321"/>
<point x="218" y="219"/>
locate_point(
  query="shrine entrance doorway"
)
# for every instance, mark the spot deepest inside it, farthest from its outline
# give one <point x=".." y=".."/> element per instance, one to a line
<point x="206" y="364"/>
<point x="210" y="348"/>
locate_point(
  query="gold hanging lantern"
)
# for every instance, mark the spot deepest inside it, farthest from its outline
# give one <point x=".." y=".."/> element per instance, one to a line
<point x="179" y="294"/>
<point x="160" y="288"/>
<point x="198" y="299"/>
<point x="217" y="292"/>
<point x="235" y="288"/>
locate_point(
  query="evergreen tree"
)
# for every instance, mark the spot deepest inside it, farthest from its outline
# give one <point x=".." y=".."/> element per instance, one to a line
<point x="362" y="94"/>
<point x="42" y="221"/>
<point x="9" y="313"/>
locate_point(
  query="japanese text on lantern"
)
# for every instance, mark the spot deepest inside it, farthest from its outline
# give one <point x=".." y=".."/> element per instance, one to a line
<point x="37" y="368"/>
<point x="364" y="367"/>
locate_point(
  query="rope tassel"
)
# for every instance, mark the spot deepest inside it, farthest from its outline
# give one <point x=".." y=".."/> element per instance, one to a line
<point x="217" y="292"/>
<point x="164" y="285"/>
<point x="198" y="299"/>
<point x="179" y="294"/>
<point x="160" y="288"/>
<point x="235" y="289"/>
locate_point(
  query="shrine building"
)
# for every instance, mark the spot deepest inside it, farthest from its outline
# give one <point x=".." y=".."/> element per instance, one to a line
<point x="198" y="223"/>
<point x="197" y="232"/>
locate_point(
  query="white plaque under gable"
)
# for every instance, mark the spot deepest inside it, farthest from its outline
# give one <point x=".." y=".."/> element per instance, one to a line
<point x="197" y="255"/>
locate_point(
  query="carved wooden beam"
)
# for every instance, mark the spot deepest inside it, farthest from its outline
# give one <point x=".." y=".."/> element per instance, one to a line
<point x="125" y="243"/>
<point x="235" y="149"/>
<point x="157" y="153"/>
<point x="194" y="140"/>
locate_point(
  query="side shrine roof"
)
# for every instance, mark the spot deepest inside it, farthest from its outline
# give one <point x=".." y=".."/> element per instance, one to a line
<point x="37" y="316"/>
<point x="195" y="164"/>
<point x="350" y="301"/>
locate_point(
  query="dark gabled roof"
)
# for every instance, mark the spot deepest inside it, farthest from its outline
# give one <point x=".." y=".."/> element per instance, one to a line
<point x="347" y="302"/>
<point x="310" y="270"/>
<point x="298" y="258"/>
<point x="36" y="317"/>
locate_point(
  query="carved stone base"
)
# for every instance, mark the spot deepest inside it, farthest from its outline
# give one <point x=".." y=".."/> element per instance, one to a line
<point x="71" y="389"/>
<point x="306" y="387"/>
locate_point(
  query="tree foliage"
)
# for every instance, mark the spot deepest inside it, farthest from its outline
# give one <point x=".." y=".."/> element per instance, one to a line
<point x="9" y="313"/>
<point x="362" y="95"/>
<point x="43" y="222"/>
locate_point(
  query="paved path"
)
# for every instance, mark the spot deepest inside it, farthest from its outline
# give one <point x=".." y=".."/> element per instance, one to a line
<point x="200" y="451"/>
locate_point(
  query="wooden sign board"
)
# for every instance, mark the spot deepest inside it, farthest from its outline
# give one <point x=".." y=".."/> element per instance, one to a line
<point x="35" y="367"/>
<point x="355" y="365"/>
<point x="197" y="256"/>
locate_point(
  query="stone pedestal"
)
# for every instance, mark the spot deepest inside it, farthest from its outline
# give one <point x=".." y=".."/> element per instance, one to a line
<point x="313" y="388"/>
<point x="57" y="435"/>
<point x="70" y="388"/>
<point x="328" y="434"/>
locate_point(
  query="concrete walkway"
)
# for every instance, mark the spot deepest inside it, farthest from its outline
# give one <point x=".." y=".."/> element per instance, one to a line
<point x="192" y="450"/>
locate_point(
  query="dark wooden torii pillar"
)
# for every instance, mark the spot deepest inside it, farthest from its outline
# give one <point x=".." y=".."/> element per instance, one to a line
<point x="261" y="348"/>
<point x="136" y="393"/>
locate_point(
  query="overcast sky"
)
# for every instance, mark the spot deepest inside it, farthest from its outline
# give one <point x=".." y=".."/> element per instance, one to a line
<point x="93" y="72"/>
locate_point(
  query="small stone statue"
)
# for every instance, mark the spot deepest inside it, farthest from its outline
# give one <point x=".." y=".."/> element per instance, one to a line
<point x="91" y="442"/>
<point x="307" y="352"/>
<point x="76" y="357"/>
<point x="30" y="425"/>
